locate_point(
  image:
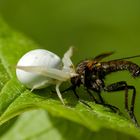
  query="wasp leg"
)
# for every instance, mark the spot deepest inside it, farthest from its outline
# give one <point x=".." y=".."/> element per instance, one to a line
<point x="76" y="95"/>
<point x="93" y="98"/>
<point x="67" y="89"/>
<point x="113" y="108"/>
<point x="80" y="100"/>
<point x="122" y="85"/>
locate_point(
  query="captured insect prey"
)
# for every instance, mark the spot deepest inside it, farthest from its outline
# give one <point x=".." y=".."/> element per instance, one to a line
<point x="92" y="72"/>
<point x="41" y="68"/>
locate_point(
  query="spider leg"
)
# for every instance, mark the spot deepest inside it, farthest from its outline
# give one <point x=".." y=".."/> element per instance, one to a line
<point x="122" y="85"/>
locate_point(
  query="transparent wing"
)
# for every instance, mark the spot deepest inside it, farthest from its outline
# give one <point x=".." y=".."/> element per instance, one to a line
<point x="102" y="56"/>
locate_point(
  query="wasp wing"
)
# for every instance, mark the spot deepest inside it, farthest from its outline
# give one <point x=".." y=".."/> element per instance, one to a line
<point x="102" y="56"/>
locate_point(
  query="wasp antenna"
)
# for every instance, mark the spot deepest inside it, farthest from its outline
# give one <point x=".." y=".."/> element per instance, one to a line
<point x="129" y="57"/>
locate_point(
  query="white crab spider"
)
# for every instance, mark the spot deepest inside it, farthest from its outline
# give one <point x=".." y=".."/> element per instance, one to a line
<point x="41" y="68"/>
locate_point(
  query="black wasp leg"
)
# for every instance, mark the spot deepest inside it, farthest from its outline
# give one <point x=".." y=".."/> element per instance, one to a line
<point x="122" y="85"/>
<point x="67" y="89"/>
<point x="93" y="98"/>
<point x="73" y="88"/>
<point x="113" y="108"/>
<point x="80" y="100"/>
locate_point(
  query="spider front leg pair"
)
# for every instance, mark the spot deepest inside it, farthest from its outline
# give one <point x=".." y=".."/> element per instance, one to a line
<point x="122" y="85"/>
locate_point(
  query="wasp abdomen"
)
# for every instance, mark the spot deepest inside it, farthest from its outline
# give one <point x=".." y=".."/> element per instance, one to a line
<point x="112" y="66"/>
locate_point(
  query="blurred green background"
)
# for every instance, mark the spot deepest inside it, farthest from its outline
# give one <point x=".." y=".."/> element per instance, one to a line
<point x="92" y="26"/>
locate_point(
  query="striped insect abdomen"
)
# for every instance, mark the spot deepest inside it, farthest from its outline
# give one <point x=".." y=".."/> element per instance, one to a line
<point x="120" y="65"/>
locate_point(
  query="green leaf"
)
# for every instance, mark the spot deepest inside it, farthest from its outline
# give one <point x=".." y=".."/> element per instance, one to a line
<point x="16" y="99"/>
<point x="41" y="125"/>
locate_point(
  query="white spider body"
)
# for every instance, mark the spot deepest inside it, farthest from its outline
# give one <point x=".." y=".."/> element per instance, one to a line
<point x="41" y="68"/>
<point x="39" y="58"/>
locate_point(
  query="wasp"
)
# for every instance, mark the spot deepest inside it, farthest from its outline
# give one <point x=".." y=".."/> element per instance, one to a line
<point x="92" y="73"/>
